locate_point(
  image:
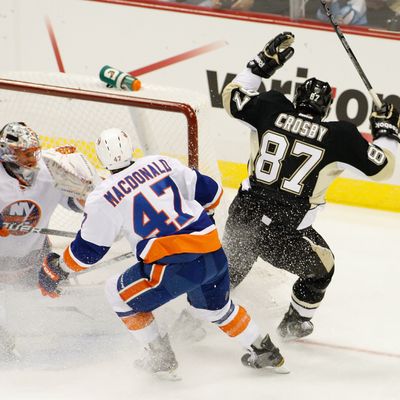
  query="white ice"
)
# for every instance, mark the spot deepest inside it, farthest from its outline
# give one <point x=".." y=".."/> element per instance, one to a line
<point x="75" y="349"/>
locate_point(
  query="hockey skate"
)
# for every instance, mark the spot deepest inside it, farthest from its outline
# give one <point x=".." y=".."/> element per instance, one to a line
<point x="8" y="353"/>
<point x="294" y="326"/>
<point x="187" y="328"/>
<point x="159" y="359"/>
<point x="265" y="355"/>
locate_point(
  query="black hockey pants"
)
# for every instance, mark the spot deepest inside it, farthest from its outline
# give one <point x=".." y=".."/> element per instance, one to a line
<point x="246" y="238"/>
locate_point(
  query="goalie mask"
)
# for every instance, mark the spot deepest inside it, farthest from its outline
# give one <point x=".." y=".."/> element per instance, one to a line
<point x="114" y="149"/>
<point x="20" y="151"/>
<point x="314" y="97"/>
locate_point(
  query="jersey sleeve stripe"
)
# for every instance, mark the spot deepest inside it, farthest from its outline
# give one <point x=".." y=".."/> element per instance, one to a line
<point x="207" y="190"/>
<point x="82" y="254"/>
<point x="159" y="248"/>
<point x="70" y="262"/>
<point x="215" y="202"/>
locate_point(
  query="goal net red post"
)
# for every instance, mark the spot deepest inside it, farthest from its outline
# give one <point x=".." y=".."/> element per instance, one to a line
<point x="69" y="109"/>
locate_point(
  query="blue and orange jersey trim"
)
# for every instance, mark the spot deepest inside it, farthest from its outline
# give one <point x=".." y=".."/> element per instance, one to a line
<point x="82" y="254"/>
<point x="208" y="192"/>
<point x="202" y="242"/>
<point x="72" y="263"/>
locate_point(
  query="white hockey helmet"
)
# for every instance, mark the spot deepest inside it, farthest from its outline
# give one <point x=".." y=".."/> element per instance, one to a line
<point x="114" y="149"/>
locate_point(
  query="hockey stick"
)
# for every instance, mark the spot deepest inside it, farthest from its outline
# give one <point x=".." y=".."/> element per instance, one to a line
<point x="46" y="231"/>
<point x="353" y="58"/>
<point x="106" y="263"/>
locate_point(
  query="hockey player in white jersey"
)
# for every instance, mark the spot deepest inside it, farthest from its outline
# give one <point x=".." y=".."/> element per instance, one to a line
<point x="32" y="183"/>
<point x="162" y="208"/>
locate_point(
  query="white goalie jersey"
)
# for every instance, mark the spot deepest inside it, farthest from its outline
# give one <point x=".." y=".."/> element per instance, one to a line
<point x="27" y="208"/>
<point x="62" y="178"/>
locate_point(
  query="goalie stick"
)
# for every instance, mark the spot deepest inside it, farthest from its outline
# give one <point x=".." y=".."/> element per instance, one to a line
<point x="45" y="231"/>
<point x="353" y="58"/>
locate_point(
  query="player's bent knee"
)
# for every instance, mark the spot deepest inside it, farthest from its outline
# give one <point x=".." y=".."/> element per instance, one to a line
<point x="212" y="315"/>
<point x="325" y="255"/>
<point x="113" y="297"/>
<point x="321" y="283"/>
<point x="234" y="321"/>
<point x="326" y="279"/>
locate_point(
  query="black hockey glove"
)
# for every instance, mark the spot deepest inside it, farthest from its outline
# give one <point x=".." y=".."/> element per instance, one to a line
<point x="385" y="122"/>
<point x="275" y="53"/>
<point x="50" y="275"/>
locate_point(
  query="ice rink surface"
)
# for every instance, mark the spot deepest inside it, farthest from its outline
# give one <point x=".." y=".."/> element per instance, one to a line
<point x="75" y="349"/>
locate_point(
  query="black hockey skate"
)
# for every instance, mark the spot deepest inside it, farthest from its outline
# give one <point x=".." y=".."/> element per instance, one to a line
<point x="294" y="326"/>
<point x="159" y="359"/>
<point x="265" y="355"/>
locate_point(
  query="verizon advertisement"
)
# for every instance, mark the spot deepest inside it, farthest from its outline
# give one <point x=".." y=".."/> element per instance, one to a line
<point x="165" y="44"/>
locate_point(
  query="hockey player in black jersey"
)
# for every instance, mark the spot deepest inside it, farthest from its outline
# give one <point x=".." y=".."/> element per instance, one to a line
<point x="294" y="157"/>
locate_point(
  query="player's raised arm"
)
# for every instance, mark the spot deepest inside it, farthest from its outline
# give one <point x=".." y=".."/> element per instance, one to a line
<point x="273" y="56"/>
<point x="377" y="158"/>
<point x="240" y="97"/>
<point x="381" y="153"/>
<point x="385" y="126"/>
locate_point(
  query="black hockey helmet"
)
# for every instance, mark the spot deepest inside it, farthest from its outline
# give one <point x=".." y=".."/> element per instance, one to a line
<point x="314" y="97"/>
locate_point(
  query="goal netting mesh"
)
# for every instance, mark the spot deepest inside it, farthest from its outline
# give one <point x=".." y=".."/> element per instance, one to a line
<point x="71" y="109"/>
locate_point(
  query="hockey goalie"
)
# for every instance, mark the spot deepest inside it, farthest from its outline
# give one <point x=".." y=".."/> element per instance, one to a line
<point x="34" y="183"/>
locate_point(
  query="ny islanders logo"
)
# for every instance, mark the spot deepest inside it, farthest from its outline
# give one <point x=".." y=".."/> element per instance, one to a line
<point x="21" y="216"/>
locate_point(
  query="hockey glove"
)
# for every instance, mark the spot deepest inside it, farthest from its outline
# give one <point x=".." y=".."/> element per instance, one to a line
<point x="385" y="122"/>
<point x="50" y="275"/>
<point x="275" y="53"/>
<point x="4" y="232"/>
<point x="71" y="171"/>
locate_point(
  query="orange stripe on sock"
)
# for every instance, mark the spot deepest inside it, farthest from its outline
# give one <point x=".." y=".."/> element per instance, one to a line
<point x="138" y="321"/>
<point x="238" y="324"/>
<point x="143" y="284"/>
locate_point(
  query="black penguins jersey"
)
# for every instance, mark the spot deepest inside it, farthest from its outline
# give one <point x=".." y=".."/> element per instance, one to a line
<point x="296" y="155"/>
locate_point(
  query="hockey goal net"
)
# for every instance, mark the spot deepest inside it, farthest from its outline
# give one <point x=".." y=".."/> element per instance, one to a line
<point x="70" y="109"/>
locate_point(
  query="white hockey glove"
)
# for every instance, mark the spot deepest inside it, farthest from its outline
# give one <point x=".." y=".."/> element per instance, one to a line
<point x="72" y="172"/>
